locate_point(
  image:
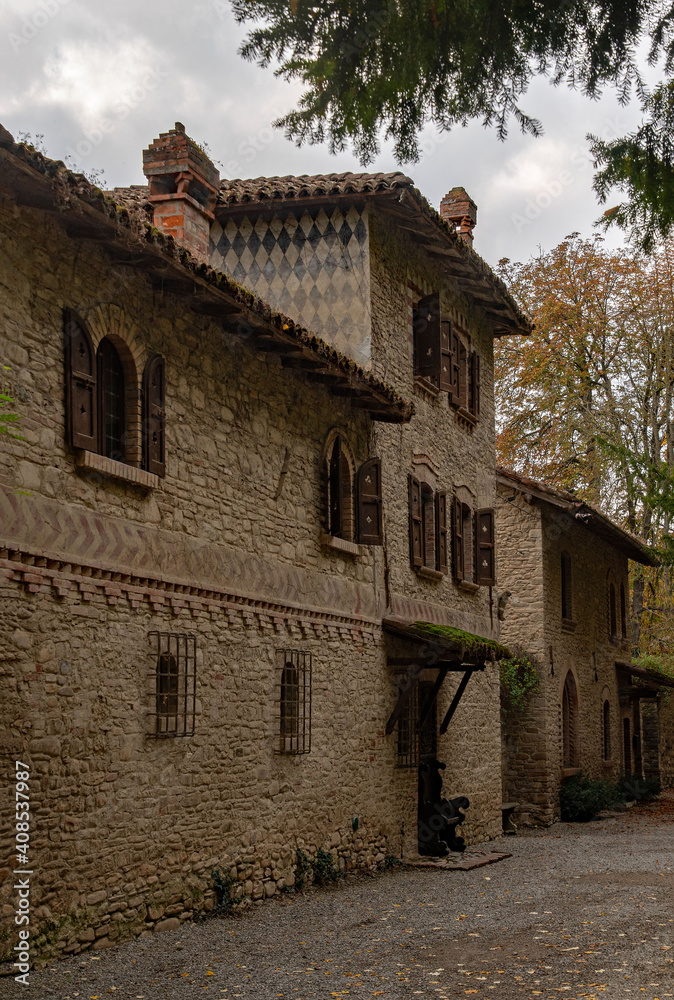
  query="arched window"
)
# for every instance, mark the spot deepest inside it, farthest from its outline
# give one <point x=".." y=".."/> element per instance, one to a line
<point x="340" y="490"/>
<point x="606" y="729"/>
<point x="570" y="748"/>
<point x="623" y="612"/>
<point x="613" y="617"/>
<point x="566" y="590"/>
<point x="167" y="694"/>
<point x="295" y="703"/>
<point x="111" y="402"/>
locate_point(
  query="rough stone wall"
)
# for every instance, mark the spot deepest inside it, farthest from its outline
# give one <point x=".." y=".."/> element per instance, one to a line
<point x="312" y="267"/>
<point x="526" y="773"/>
<point x="449" y="455"/>
<point x="533" y="757"/>
<point x="126" y="829"/>
<point x="92" y="564"/>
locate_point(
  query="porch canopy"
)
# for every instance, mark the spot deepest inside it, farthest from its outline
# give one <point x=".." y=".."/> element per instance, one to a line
<point x="656" y="680"/>
<point x="437" y="647"/>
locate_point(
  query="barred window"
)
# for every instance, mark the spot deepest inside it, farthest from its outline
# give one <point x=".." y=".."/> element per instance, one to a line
<point x="408" y="730"/>
<point x="173" y="684"/>
<point x="294" y="702"/>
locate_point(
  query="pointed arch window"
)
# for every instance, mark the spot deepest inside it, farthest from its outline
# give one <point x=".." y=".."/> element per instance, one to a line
<point x="606" y="728"/>
<point x="570" y="748"/>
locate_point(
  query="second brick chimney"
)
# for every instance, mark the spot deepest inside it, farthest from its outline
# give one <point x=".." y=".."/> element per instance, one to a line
<point x="183" y="189"/>
<point x="459" y="209"/>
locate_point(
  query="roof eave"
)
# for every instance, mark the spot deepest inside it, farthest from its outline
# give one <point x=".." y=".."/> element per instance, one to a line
<point x="86" y="213"/>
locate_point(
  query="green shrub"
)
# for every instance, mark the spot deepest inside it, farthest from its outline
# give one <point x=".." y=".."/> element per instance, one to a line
<point x="324" y="867"/>
<point x="581" y="798"/>
<point x="633" y="786"/>
<point x="519" y="679"/>
<point x="222" y="886"/>
<point x="302" y="868"/>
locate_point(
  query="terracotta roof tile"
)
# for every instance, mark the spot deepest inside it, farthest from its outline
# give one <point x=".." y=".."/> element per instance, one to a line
<point x="244" y="191"/>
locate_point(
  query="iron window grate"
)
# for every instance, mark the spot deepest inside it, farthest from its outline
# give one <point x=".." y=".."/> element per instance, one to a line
<point x="294" y="702"/>
<point x="172" y="684"/>
<point x="408" y="730"/>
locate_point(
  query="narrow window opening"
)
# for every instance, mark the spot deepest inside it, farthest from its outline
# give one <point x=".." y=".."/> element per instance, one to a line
<point x="607" y="730"/>
<point x="567" y="602"/>
<point x="623" y="612"/>
<point x="570" y="722"/>
<point x="612" y="611"/>
<point x="295" y="703"/>
<point x="112" y="402"/>
<point x="174" y="684"/>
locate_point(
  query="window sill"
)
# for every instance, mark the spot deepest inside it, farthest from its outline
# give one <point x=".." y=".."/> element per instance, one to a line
<point x="568" y="625"/>
<point x="116" y="470"/>
<point x="570" y="772"/>
<point x="429" y="574"/>
<point x="465" y="418"/>
<point x="468" y="586"/>
<point x="425" y="387"/>
<point x="341" y="545"/>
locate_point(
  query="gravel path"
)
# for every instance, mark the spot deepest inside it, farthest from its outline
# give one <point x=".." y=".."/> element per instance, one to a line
<point x="578" y="911"/>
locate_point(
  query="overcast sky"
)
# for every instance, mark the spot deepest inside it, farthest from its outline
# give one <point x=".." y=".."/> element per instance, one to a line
<point x="99" y="81"/>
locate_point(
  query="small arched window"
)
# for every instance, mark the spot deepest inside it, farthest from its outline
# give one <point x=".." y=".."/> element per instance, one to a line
<point x="606" y="729"/>
<point x="340" y="492"/>
<point x="111" y="402"/>
<point x="566" y="589"/>
<point x="570" y="748"/>
<point x="612" y="611"/>
<point x="167" y="694"/>
<point x="623" y="612"/>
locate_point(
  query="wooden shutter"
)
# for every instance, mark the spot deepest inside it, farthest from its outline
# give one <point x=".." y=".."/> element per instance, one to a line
<point x="441" y="531"/>
<point x="154" y="416"/>
<point x="486" y="557"/>
<point x="428" y="338"/>
<point x="475" y="384"/>
<point x="445" y="355"/>
<point x="454" y="390"/>
<point x="81" y="383"/>
<point x="370" y="528"/>
<point x="463" y="376"/>
<point x="457" y="539"/>
<point x="416" y="524"/>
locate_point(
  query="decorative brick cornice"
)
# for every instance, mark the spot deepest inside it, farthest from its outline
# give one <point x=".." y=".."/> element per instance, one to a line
<point x="81" y="584"/>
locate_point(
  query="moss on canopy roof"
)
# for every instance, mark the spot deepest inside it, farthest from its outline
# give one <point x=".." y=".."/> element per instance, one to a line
<point x="475" y="644"/>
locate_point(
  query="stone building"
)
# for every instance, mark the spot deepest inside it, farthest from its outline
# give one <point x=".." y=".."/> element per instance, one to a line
<point x="563" y="578"/>
<point x="247" y="571"/>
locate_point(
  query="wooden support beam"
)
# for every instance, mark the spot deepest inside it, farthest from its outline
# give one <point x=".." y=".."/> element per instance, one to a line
<point x="455" y="701"/>
<point x="409" y="661"/>
<point x="403" y="698"/>
<point x="428" y="707"/>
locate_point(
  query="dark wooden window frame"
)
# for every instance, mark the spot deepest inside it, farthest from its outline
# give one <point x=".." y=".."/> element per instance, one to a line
<point x="89" y="395"/>
<point x="427" y="513"/>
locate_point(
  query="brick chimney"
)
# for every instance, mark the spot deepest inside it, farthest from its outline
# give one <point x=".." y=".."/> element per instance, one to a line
<point x="183" y="189"/>
<point x="459" y="209"/>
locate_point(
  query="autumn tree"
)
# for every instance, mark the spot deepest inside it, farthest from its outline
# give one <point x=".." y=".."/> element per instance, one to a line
<point x="585" y="402"/>
<point x="373" y="68"/>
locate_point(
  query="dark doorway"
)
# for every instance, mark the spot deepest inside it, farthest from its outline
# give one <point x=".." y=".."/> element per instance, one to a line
<point x="627" y="747"/>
